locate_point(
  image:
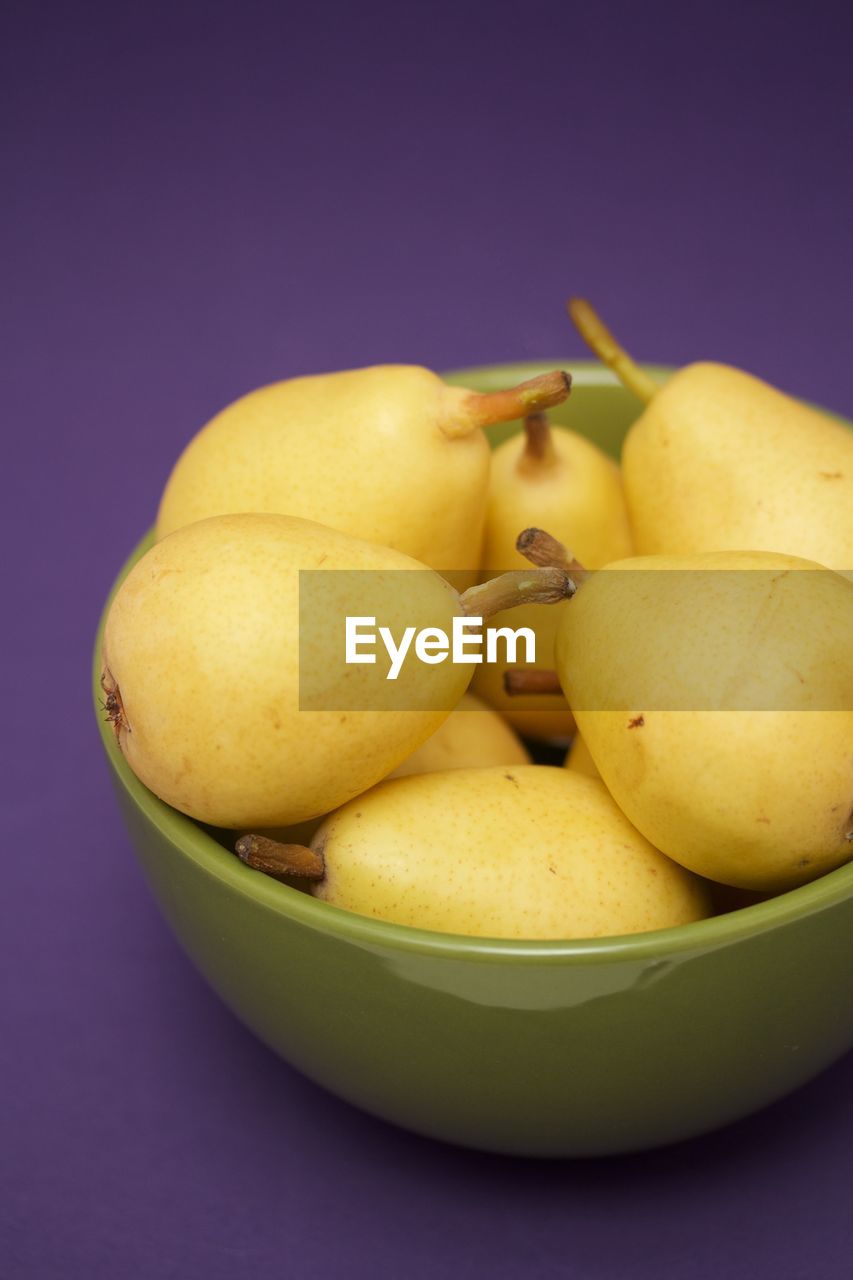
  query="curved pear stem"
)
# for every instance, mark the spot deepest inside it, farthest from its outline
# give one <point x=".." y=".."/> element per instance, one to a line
<point x="519" y="681"/>
<point x="520" y="586"/>
<point x="538" y="450"/>
<point x="485" y="408"/>
<point x="541" y="548"/>
<point x="276" y="859"/>
<point x="609" y="350"/>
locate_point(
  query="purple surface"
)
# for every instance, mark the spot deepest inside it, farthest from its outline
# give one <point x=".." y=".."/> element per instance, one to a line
<point x="200" y="200"/>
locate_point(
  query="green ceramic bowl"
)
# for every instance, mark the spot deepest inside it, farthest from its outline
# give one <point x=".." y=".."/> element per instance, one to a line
<point x="539" y="1048"/>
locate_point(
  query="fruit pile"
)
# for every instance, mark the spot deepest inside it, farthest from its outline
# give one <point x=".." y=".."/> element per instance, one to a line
<point x="704" y="678"/>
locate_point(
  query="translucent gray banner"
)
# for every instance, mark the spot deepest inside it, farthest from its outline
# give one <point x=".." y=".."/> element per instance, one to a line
<point x="629" y="640"/>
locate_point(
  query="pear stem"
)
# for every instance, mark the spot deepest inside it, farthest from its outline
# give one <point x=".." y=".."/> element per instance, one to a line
<point x="542" y="549"/>
<point x="520" y="586"/>
<point x="539" y="442"/>
<point x="276" y="859"/>
<point x="519" y="681"/>
<point x="609" y="350"/>
<point x="485" y="408"/>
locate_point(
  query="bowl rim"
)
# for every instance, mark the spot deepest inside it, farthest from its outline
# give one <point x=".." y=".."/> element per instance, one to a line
<point x="192" y="840"/>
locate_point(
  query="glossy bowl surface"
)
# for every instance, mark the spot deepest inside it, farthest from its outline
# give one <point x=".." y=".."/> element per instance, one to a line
<point x="539" y="1048"/>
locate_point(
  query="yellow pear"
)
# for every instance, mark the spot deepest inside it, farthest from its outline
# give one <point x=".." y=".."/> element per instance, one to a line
<point x="553" y="477"/>
<point x="225" y="671"/>
<point x="720" y="460"/>
<point x="579" y="759"/>
<point x="715" y="695"/>
<point x="472" y="736"/>
<point x="390" y="454"/>
<point x="524" y="851"/>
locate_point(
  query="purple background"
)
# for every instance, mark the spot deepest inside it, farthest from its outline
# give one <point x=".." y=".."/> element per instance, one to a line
<point x="201" y="199"/>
